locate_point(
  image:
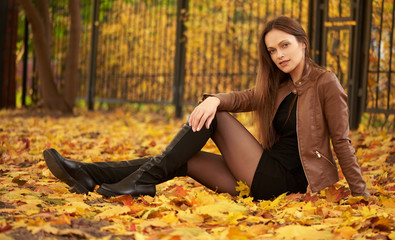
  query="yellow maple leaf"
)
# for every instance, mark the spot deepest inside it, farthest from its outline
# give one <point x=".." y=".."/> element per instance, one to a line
<point x="112" y="212"/>
<point x="76" y="207"/>
<point x="220" y="208"/>
<point x="189" y="217"/>
<point x="258" y="229"/>
<point x="243" y="189"/>
<point x="5" y="237"/>
<point x="53" y="230"/>
<point x="236" y="233"/>
<point x="188" y="233"/>
<point x="170" y="218"/>
<point x="309" y="209"/>
<point x="154" y="222"/>
<point x="298" y="232"/>
<point x="234" y="217"/>
<point x="387" y="202"/>
<point x="270" y="205"/>
<point x="117" y="228"/>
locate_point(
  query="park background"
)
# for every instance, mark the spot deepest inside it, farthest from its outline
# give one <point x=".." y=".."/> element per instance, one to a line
<point x="112" y="80"/>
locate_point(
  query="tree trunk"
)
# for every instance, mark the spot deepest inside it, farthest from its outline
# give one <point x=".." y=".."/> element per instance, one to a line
<point x="42" y="8"/>
<point x="71" y="72"/>
<point x="52" y="99"/>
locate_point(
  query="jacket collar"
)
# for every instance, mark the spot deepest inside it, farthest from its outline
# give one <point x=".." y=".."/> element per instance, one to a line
<point x="302" y="84"/>
<point x="310" y="73"/>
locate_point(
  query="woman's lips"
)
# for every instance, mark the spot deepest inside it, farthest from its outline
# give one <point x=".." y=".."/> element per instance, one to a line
<point x="284" y="63"/>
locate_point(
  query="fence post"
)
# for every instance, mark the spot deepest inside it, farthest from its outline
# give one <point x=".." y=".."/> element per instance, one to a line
<point x="315" y="26"/>
<point x="360" y="63"/>
<point x="179" y="59"/>
<point x="93" y="55"/>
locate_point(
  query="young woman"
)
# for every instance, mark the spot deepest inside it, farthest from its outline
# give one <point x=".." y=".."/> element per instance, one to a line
<point x="300" y="108"/>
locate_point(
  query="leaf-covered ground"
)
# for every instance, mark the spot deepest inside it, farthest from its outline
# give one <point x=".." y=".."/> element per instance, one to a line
<point x="35" y="205"/>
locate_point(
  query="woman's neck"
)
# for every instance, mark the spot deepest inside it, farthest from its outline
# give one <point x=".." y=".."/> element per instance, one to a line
<point x="296" y="74"/>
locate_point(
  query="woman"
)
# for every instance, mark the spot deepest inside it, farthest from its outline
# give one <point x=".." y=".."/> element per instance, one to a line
<point x="299" y="108"/>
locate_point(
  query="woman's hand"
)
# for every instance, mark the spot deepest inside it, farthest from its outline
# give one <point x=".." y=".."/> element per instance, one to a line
<point x="204" y="113"/>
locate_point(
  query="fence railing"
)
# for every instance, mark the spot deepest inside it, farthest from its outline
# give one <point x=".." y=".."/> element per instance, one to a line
<point x="380" y="89"/>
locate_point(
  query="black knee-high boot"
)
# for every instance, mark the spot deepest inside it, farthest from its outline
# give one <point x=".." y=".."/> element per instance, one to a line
<point x="184" y="145"/>
<point x="83" y="177"/>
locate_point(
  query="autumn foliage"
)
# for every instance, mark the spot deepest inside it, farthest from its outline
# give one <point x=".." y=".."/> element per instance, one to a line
<point x="35" y="205"/>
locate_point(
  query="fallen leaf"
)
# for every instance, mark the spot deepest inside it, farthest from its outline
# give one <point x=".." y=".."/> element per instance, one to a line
<point x="335" y="195"/>
<point x="301" y="232"/>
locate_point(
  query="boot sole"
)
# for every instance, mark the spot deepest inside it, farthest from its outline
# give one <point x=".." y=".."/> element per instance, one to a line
<point x="58" y="171"/>
<point x="107" y="193"/>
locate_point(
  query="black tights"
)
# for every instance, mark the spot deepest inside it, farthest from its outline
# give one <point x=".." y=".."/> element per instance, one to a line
<point x="240" y="155"/>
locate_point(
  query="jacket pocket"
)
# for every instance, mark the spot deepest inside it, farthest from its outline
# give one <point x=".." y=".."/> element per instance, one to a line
<point x="321" y="156"/>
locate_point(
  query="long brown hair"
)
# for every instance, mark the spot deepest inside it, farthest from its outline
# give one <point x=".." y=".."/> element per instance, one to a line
<point x="270" y="77"/>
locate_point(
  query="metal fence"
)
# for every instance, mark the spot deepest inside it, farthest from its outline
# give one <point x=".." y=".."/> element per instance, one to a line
<point x="222" y="42"/>
<point x="173" y="51"/>
<point x="136" y="46"/>
<point x="380" y="86"/>
<point x="135" y="51"/>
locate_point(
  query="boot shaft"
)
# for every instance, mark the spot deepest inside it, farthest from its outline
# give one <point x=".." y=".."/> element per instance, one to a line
<point x="183" y="146"/>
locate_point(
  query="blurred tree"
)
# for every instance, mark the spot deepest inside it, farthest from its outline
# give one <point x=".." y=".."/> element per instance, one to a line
<point x="38" y="16"/>
<point x="8" y="39"/>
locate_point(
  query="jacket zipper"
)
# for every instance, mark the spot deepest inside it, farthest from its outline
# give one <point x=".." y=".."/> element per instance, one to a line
<point x="319" y="155"/>
<point x="297" y="134"/>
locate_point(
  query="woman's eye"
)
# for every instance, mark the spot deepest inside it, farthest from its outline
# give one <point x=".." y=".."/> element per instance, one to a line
<point x="272" y="51"/>
<point x="285" y="45"/>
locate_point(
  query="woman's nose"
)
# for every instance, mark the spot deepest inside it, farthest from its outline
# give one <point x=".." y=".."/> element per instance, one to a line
<point x="280" y="54"/>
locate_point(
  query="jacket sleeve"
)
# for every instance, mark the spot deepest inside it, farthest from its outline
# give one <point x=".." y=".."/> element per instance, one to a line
<point x="336" y="113"/>
<point x="237" y="101"/>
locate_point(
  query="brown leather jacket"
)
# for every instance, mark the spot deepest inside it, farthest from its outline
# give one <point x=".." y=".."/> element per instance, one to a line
<point x="322" y="115"/>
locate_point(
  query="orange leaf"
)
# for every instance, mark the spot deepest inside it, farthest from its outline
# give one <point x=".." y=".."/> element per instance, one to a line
<point x="180" y="191"/>
<point x="132" y="227"/>
<point x="347" y="232"/>
<point x="384" y="224"/>
<point x="125" y="199"/>
<point x="152" y="143"/>
<point x="44" y="189"/>
<point x="335" y="195"/>
<point x="62" y="220"/>
<point x="144" y="201"/>
<point x="5" y="228"/>
<point x="309" y="198"/>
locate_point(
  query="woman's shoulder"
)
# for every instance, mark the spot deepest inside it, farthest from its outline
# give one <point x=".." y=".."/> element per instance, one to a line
<point x="328" y="84"/>
<point x="322" y="75"/>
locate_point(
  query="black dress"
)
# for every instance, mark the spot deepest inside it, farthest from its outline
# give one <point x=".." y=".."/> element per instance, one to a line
<point x="279" y="169"/>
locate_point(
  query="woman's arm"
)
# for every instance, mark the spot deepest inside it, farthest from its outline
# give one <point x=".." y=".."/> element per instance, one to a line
<point x="237" y="101"/>
<point x="204" y="113"/>
<point x="336" y="113"/>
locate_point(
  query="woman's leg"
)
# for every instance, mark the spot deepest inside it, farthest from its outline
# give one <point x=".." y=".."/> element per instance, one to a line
<point x="239" y="148"/>
<point x="240" y="151"/>
<point x="212" y="171"/>
<point x="185" y="144"/>
<point x="83" y="177"/>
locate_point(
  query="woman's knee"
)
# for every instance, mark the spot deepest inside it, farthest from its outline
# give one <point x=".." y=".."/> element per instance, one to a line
<point x="223" y="114"/>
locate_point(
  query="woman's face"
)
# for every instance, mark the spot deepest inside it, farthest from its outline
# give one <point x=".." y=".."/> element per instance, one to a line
<point x="286" y="52"/>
